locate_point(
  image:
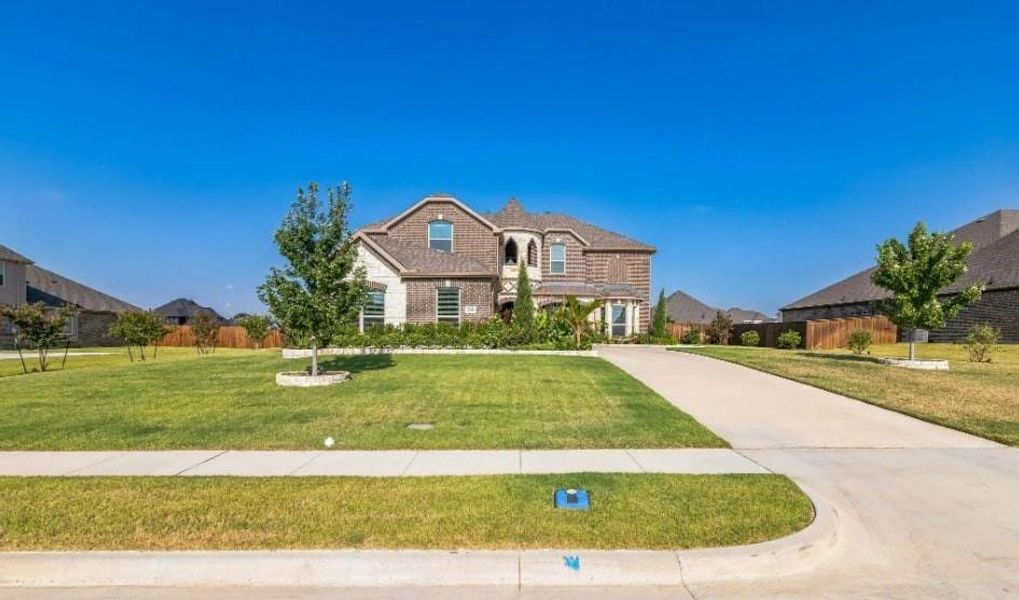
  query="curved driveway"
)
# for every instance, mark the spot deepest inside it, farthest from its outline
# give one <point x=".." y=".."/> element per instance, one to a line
<point x="923" y="511"/>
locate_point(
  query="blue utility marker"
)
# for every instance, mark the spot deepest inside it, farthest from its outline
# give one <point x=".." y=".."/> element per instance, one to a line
<point x="572" y="499"/>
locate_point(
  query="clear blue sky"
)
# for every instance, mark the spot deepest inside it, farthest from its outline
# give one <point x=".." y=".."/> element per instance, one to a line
<point x="764" y="147"/>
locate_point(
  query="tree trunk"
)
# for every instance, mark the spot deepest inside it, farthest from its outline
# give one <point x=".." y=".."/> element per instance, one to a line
<point x="314" y="359"/>
<point x="42" y="360"/>
<point x="912" y="347"/>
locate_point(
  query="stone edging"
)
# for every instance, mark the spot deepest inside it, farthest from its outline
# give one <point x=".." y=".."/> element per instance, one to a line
<point x="306" y="353"/>
<point x="921" y="364"/>
<point x="796" y="553"/>
<point x="302" y="379"/>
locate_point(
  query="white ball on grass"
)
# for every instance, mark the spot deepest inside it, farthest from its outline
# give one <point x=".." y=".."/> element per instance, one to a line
<point x="330" y="442"/>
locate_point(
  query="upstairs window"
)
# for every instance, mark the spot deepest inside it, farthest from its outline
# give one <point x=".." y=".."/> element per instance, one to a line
<point x="532" y="254"/>
<point x="511" y="253"/>
<point x="3" y="273"/>
<point x="447" y="305"/>
<point x="440" y="235"/>
<point x="557" y="259"/>
<point x="374" y="312"/>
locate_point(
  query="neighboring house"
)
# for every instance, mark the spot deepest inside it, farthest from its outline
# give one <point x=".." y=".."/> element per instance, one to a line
<point x="182" y="310"/>
<point x="684" y="308"/>
<point x="23" y="282"/>
<point x="994" y="263"/>
<point x="442" y="261"/>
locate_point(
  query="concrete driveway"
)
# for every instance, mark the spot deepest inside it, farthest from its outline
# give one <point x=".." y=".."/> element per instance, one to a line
<point x="924" y="511"/>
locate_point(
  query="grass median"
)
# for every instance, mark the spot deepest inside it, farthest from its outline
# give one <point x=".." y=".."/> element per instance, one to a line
<point x="489" y="512"/>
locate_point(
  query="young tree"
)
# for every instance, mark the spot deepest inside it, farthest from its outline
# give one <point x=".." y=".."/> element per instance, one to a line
<point x="914" y="276"/>
<point x="321" y="288"/>
<point x="205" y="328"/>
<point x="578" y="315"/>
<point x="38" y="327"/>
<point x="140" y="328"/>
<point x="660" y="322"/>
<point x="720" y="328"/>
<point x="523" y="309"/>
<point x="256" y="326"/>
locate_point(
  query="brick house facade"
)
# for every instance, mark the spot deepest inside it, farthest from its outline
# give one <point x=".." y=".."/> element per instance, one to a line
<point x="993" y="264"/>
<point x="441" y="255"/>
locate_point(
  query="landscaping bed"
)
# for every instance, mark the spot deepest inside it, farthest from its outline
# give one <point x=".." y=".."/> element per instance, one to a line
<point x="229" y="400"/>
<point x="978" y="398"/>
<point x="495" y="512"/>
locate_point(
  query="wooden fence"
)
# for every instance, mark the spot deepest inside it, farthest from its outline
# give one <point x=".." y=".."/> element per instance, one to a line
<point x="824" y="334"/>
<point x="230" y="336"/>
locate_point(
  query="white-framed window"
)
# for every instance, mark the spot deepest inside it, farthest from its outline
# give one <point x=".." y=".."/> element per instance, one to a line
<point x="71" y="327"/>
<point x="440" y="235"/>
<point x="557" y="259"/>
<point x="447" y="305"/>
<point x="618" y="320"/>
<point x="3" y="273"/>
<point x="374" y="312"/>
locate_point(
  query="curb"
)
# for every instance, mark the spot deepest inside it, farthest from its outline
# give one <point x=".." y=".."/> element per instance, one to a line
<point x="304" y="353"/>
<point x="796" y="553"/>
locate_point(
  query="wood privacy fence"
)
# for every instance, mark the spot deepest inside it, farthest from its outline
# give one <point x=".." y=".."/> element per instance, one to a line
<point x="230" y="336"/>
<point x="824" y="334"/>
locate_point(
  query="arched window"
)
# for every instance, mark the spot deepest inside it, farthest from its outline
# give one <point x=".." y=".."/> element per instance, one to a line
<point x="511" y="252"/>
<point x="532" y="254"/>
<point x="557" y="259"/>
<point x="440" y="235"/>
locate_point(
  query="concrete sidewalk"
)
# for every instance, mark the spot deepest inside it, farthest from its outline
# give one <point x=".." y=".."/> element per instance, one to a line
<point x="385" y="463"/>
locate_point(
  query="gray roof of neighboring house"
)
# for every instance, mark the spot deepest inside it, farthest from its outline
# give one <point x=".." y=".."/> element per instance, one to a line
<point x="11" y="256"/>
<point x="514" y="215"/>
<point x="56" y="290"/>
<point x="994" y="263"/>
<point x="185" y="307"/>
<point x="424" y="261"/>
<point x="684" y="308"/>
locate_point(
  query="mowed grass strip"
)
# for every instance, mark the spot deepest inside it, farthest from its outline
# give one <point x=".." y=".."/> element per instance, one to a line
<point x="229" y="400"/>
<point x="494" y="512"/>
<point x="978" y="398"/>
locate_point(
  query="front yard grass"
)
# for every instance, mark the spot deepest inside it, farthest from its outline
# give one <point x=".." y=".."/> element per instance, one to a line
<point x="229" y="400"/>
<point x="978" y="398"/>
<point x="507" y="512"/>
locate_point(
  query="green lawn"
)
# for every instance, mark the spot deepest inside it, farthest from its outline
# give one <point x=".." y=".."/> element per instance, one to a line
<point x="513" y="511"/>
<point x="229" y="400"/>
<point x="979" y="398"/>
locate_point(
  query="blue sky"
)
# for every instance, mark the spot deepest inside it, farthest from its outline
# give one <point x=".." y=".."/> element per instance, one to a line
<point x="763" y="147"/>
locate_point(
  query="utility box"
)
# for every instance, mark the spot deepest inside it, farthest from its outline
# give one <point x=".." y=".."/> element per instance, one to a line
<point x="572" y="499"/>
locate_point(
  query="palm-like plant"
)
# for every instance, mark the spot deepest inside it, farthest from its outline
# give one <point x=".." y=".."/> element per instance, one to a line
<point x="578" y="315"/>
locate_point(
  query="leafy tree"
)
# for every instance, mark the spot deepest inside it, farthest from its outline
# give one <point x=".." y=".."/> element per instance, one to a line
<point x="915" y="275"/>
<point x="321" y="288"/>
<point x="660" y="322"/>
<point x="720" y="328"/>
<point x="38" y="327"/>
<point x="256" y="326"/>
<point x="140" y="328"/>
<point x="578" y="315"/>
<point x="523" y="309"/>
<point x="205" y="328"/>
<point x="981" y="340"/>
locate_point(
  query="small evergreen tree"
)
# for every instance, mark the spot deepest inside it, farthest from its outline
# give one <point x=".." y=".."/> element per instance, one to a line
<point x="257" y="327"/>
<point x="720" y="328"/>
<point x="321" y="288"/>
<point x="38" y="327"/>
<point x="660" y="323"/>
<point x="916" y="274"/>
<point x="523" y="309"/>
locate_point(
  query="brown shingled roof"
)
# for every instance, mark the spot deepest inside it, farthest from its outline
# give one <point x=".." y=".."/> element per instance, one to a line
<point x="56" y="290"/>
<point x="12" y="256"/>
<point x="684" y="308"/>
<point x="416" y="260"/>
<point x="993" y="263"/>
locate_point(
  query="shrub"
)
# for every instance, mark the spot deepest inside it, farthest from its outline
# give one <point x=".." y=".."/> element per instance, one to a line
<point x="140" y="328"/>
<point x="205" y="327"/>
<point x="860" y="340"/>
<point x="720" y="328"/>
<point x="690" y="336"/>
<point x="981" y="340"/>
<point x="750" y="338"/>
<point x="257" y="327"/>
<point x="788" y="340"/>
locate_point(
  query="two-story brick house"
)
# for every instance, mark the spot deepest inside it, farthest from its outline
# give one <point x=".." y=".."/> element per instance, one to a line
<point x="442" y="261"/>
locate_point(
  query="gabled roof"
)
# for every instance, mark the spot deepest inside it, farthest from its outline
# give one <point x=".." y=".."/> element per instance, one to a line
<point x="993" y="263"/>
<point x="186" y="307"/>
<point x="11" y="256"/>
<point x="513" y="215"/>
<point x="411" y="260"/>
<point x="56" y="290"/>
<point x="441" y="197"/>
<point x="684" y="308"/>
